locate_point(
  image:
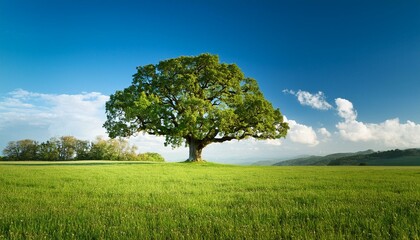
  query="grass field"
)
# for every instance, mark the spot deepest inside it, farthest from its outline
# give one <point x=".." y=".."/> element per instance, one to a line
<point x="106" y="200"/>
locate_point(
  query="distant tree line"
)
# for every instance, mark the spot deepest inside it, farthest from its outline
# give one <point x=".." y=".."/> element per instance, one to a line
<point x="71" y="148"/>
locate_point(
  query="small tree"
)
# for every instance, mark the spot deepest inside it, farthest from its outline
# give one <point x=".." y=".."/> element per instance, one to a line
<point x="99" y="150"/>
<point x="49" y="150"/>
<point x="26" y="149"/>
<point x="150" y="157"/>
<point x="193" y="100"/>
<point x="112" y="149"/>
<point x="12" y="151"/>
<point x="67" y="147"/>
<point x="82" y="149"/>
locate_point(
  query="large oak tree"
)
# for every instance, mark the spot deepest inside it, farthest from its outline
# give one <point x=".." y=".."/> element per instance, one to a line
<point x="193" y="100"/>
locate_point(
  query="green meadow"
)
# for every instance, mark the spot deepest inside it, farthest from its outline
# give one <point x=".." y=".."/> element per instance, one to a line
<point x="123" y="200"/>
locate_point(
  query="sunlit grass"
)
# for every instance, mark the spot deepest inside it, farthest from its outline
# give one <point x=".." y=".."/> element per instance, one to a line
<point x="208" y="201"/>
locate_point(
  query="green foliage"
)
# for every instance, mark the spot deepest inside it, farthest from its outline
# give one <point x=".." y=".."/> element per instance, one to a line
<point x="82" y="149"/>
<point x="49" y="150"/>
<point x="114" y="200"/>
<point x="70" y="148"/>
<point x="67" y="148"/>
<point x="113" y="149"/>
<point x="150" y="157"/>
<point x="21" y="150"/>
<point x="193" y="100"/>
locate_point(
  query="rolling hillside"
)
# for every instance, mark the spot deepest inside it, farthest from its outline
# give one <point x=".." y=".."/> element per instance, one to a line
<point x="408" y="157"/>
<point x="319" y="160"/>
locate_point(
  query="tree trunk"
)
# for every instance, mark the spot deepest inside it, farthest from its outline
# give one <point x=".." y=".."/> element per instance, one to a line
<point x="196" y="147"/>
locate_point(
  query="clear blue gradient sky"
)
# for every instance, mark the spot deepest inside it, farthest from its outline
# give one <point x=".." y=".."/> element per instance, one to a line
<point x="365" y="52"/>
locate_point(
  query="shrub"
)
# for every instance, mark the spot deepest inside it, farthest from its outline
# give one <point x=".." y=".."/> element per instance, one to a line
<point x="150" y="157"/>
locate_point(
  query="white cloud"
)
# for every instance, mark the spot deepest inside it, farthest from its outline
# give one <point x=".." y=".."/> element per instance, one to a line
<point x="80" y="115"/>
<point x="345" y="109"/>
<point x="355" y="131"/>
<point x="324" y="132"/>
<point x="273" y="142"/>
<point x="316" y="101"/>
<point x="300" y="133"/>
<point x="390" y="133"/>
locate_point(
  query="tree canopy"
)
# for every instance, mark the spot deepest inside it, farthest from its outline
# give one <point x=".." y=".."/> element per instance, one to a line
<point x="193" y="100"/>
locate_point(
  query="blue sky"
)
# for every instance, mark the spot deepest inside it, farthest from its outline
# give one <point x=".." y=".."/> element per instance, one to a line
<point x="59" y="60"/>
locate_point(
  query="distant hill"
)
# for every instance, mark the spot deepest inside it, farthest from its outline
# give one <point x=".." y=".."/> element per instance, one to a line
<point x="319" y="160"/>
<point x="408" y="157"/>
<point x="272" y="161"/>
